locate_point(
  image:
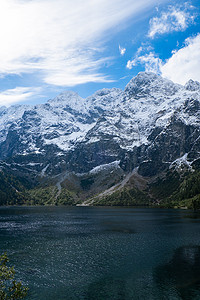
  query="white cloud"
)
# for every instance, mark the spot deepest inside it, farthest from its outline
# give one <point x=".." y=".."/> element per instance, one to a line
<point x="151" y="62"/>
<point x="60" y="40"/>
<point x="122" y="50"/>
<point x="184" y="64"/>
<point x="175" y="19"/>
<point x="11" y="96"/>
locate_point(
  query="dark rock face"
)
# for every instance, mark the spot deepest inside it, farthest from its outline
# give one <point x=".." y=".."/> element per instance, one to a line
<point x="149" y="126"/>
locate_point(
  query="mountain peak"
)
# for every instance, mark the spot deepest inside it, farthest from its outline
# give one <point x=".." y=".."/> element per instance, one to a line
<point x="192" y="85"/>
<point x="106" y="91"/>
<point x="150" y="84"/>
<point x="70" y="99"/>
<point x="65" y="97"/>
<point x="145" y="78"/>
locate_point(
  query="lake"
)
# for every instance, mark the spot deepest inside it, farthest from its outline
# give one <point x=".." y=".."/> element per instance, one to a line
<point x="103" y="253"/>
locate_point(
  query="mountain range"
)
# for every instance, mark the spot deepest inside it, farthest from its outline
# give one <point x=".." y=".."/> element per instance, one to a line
<point x="139" y="146"/>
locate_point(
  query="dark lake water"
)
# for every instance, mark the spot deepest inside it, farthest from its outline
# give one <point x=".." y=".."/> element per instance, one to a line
<point x="103" y="253"/>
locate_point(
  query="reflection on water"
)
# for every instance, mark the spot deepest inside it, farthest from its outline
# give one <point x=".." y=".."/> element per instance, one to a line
<point x="181" y="276"/>
<point x="107" y="288"/>
<point x="118" y="227"/>
<point x="193" y="215"/>
<point x="85" y="253"/>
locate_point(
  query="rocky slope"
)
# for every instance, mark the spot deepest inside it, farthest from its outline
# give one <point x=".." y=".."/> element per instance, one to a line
<point x="86" y="146"/>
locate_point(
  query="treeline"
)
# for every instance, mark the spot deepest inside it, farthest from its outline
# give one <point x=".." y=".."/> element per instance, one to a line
<point x="175" y="190"/>
<point x="50" y="195"/>
<point x="171" y="190"/>
<point x="124" y="197"/>
<point x="12" y="190"/>
<point x="17" y="191"/>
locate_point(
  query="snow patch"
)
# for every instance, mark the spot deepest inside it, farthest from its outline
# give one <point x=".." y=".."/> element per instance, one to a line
<point x="181" y="162"/>
<point x="112" y="165"/>
<point x="44" y="171"/>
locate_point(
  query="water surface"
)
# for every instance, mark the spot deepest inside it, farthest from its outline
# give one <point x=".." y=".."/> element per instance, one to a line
<point x="103" y="253"/>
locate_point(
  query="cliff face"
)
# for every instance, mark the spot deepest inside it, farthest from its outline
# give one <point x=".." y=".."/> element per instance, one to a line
<point x="153" y="125"/>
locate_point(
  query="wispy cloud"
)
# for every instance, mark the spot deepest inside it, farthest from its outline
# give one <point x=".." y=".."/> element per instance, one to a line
<point x="174" y="19"/>
<point x="61" y="41"/>
<point x="184" y="64"/>
<point x="122" y="50"/>
<point x="150" y="60"/>
<point x="11" y="96"/>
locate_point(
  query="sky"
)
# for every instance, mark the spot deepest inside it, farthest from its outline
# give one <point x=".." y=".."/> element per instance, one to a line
<point x="51" y="46"/>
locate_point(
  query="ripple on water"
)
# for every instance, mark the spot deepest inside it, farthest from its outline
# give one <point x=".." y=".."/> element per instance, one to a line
<point x="103" y="253"/>
<point x="180" y="277"/>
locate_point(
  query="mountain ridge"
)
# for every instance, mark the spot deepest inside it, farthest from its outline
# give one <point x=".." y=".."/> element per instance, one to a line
<point x="150" y="126"/>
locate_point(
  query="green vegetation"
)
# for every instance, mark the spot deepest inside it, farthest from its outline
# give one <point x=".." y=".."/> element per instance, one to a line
<point x="188" y="193"/>
<point x="124" y="197"/>
<point x="16" y="191"/>
<point x="12" y="190"/>
<point x="10" y="289"/>
<point x="165" y="186"/>
<point x="67" y="198"/>
<point x="176" y="191"/>
<point x="42" y="195"/>
<point x="171" y="190"/>
<point x="49" y="195"/>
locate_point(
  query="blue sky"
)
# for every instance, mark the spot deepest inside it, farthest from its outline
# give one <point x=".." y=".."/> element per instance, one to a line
<point x="50" y="46"/>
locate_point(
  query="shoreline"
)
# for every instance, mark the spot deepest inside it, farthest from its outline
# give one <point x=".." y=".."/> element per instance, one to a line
<point x="101" y="206"/>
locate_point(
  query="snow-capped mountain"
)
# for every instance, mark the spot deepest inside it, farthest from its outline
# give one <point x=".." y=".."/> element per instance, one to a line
<point x="151" y="125"/>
